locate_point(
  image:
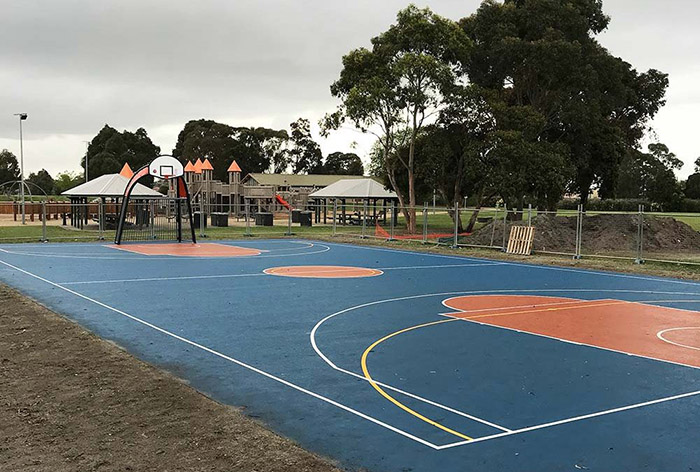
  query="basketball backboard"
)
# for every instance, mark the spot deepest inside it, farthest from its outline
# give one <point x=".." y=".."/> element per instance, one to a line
<point x="165" y="167"/>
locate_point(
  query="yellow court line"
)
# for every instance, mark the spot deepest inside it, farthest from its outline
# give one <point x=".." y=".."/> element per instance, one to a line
<point x="365" y="371"/>
<point x="542" y="310"/>
<point x="383" y="393"/>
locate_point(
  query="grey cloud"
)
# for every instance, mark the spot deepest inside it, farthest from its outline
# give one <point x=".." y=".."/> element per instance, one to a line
<point x="75" y="65"/>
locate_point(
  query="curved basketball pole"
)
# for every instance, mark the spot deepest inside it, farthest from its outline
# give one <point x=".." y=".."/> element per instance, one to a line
<point x="181" y="192"/>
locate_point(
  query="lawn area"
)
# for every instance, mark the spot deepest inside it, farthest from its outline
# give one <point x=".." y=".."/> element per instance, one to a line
<point x="35" y="198"/>
<point x="439" y="222"/>
<point x="32" y="233"/>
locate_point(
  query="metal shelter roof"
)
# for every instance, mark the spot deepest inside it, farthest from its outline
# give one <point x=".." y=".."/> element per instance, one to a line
<point x="355" y="188"/>
<point x="110" y="185"/>
<point x="294" y="180"/>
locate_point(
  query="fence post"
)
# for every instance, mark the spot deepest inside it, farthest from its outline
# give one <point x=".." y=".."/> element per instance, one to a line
<point x="456" y="229"/>
<point x="578" y="223"/>
<point x="529" y="214"/>
<point x="505" y="221"/>
<point x="43" y="222"/>
<point x="201" y="218"/>
<point x="493" y="225"/>
<point x="152" y="218"/>
<point x="289" y="222"/>
<point x="640" y="236"/>
<point x="425" y="222"/>
<point x="364" y="221"/>
<point x="579" y="226"/>
<point x="580" y="231"/>
<point x="335" y="215"/>
<point x="391" y="220"/>
<point x="100" y="219"/>
<point x="247" y="218"/>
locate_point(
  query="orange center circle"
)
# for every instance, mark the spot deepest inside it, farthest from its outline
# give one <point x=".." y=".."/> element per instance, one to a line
<point x="323" y="272"/>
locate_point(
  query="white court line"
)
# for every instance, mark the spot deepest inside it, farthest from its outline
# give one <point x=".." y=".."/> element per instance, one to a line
<point x="570" y="420"/>
<point x="231" y="359"/>
<point x="422" y="399"/>
<point x="314" y="345"/>
<point x="530" y="305"/>
<point x="522" y="264"/>
<point x="136" y="256"/>
<point x="344" y="407"/>
<point x="443" y="266"/>
<point x="575" y="343"/>
<point x="255" y="274"/>
<point x="160" y="279"/>
<point x="312" y="338"/>
<point x="661" y="333"/>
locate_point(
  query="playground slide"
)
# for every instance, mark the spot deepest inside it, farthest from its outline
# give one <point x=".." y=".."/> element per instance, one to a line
<point x="282" y="202"/>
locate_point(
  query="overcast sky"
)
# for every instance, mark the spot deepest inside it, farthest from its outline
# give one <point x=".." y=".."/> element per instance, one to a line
<point x="74" y="66"/>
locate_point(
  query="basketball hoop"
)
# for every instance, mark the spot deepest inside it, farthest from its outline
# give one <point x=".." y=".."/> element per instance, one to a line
<point x="166" y="168"/>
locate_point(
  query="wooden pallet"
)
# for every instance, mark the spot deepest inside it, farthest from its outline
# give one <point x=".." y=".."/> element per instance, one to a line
<point x="520" y="240"/>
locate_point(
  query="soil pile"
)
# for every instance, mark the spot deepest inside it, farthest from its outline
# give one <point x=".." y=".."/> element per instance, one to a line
<point x="601" y="233"/>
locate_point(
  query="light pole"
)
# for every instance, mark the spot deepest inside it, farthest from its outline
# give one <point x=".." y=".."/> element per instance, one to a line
<point x="22" y="117"/>
<point x="87" y="146"/>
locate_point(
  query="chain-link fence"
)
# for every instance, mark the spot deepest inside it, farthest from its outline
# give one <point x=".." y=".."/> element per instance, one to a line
<point x="639" y="236"/>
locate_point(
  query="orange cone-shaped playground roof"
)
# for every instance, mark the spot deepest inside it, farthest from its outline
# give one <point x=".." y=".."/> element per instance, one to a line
<point x="126" y="171"/>
<point x="198" y="166"/>
<point x="233" y="167"/>
<point x="206" y="165"/>
<point x="189" y="167"/>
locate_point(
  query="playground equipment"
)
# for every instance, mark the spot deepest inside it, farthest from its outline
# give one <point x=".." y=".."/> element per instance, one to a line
<point x="283" y="202"/>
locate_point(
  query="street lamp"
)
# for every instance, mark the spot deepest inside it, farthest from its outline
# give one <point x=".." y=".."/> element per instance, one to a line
<point x="22" y="117"/>
<point x="87" y="147"/>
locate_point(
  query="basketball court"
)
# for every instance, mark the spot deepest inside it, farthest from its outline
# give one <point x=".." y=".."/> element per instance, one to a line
<point x="396" y="360"/>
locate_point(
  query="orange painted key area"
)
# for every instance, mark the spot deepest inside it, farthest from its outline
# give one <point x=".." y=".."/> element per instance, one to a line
<point x="636" y="328"/>
<point x="323" y="272"/>
<point x="188" y="250"/>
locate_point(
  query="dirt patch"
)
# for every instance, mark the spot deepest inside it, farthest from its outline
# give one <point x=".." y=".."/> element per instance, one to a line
<point x="71" y="401"/>
<point x="601" y="234"/>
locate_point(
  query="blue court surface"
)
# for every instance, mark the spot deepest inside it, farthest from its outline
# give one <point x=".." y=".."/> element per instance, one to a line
<point x="373" y="369"/>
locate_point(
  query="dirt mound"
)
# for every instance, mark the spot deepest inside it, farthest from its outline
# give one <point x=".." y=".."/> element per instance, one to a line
<point x="601" y="233"/>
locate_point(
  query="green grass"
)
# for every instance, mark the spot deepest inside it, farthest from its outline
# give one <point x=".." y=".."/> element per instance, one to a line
<point x="664" y="269"/>
<point x="36" y="198"/>
<point x="692" y="221"/>
<point x="32" y="233"/>
<point x="277" y="230"/>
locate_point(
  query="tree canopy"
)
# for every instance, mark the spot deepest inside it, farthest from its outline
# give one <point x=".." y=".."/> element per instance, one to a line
<point x="9" y="167"/>
<point x="398" y="85"/>
<point x="254" y="149"/>
<point x="109" y="150"/>
<point x="542" y="56"/>
<point x="517" y="100"/>
<point x="43" y="180"/>
<point x="66" y="181"/>
<point x="692" y="185"/>
<point x="650" y="175"/>
<point x="305" y="154"/>
<point x="343" y="163"/>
